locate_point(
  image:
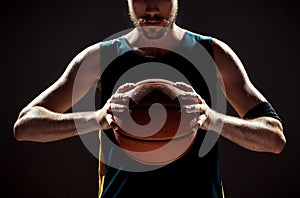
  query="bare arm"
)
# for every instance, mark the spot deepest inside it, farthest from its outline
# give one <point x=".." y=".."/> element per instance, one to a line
<point x="44" y="119"/>
<point x="264" y="134"/>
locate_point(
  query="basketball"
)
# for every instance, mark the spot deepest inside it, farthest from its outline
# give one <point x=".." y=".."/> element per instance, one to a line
<point x="155" y="130"/>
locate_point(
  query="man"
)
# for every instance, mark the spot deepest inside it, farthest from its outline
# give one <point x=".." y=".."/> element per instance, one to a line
<point x="258" y="129"/>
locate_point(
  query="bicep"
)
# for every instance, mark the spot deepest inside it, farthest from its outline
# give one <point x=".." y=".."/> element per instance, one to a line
<point x="80" y="75"/>
<point x="239" y="90"/>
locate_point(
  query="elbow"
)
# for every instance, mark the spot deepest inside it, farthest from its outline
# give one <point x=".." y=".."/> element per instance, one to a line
<point x="19" y="126"/>
<point x="18" y="134"/>
<point x="20" y="130"/>
<point x="27" y="127"/>
<point x="280" y="143"/>
<point x="279" y="140"/>
<point x="23" y="132"/>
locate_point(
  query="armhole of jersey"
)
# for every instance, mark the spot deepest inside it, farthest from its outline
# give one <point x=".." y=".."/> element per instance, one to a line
<point x="205" y="41"/>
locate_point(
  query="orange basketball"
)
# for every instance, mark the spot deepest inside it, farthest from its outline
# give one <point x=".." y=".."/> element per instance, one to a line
<point x="155" y="130"/>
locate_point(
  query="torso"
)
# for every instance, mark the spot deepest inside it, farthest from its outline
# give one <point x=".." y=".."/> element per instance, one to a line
<point x="179" y="176"/>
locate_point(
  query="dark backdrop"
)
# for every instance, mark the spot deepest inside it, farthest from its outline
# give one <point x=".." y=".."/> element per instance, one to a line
<point x="39" y="38"/>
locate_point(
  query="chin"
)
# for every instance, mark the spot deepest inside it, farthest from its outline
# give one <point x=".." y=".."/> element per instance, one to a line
<point x="153" y="32"/>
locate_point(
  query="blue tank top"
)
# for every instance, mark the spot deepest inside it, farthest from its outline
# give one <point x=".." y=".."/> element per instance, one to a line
<point x="190" y="175"/>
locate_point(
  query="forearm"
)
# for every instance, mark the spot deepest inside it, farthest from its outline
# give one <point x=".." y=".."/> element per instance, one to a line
<point x="41" y="125"/>
<point x="264" y="134"/>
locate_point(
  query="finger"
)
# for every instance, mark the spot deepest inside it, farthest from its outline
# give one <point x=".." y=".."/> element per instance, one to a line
<point x="184" y="86"/>
<point x="119" y="97"/>
<point x="114" y="107"/>
<point x="201" y="100"/>
<point x="111" y="122"/>
<point x="191" y="96"/>
<point x="201" y="121"/>
<point x="194" y="124"/>
<point x="196" y="108"/>
<point x="125" y="87"/>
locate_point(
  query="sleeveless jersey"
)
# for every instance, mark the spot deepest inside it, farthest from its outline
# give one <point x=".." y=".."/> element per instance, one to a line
<point x="190" y="175"/>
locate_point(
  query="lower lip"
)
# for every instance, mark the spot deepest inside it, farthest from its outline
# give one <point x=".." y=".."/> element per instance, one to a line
<point x="152" y="23"/>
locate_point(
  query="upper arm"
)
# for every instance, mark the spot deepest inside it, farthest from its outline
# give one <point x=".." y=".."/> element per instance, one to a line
<point x="239" y="90"/>
<point x="81" y="74"/>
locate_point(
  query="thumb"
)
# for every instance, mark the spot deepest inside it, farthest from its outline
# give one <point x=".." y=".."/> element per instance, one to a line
<point x="111" y="122"/>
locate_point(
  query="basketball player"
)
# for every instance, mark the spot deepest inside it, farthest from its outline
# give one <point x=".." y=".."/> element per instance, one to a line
<point x="258" y="128"/>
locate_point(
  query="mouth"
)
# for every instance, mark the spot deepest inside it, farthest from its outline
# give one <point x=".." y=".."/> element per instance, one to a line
<point x="156" y="20"/>
<point x="144" y="22"/>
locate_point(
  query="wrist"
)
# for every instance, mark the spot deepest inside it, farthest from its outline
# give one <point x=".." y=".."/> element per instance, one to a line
<point x="215" y="121"/>
<point x="99" y="116"/>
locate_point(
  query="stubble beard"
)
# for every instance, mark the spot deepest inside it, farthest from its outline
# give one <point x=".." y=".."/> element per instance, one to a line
<point x="155" y="30"/>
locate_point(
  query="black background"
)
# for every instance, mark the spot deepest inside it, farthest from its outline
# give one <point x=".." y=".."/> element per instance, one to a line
<point x="39" y="38"/>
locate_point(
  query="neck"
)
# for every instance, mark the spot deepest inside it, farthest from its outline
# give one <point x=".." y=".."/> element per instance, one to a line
<point x="152" y="47"/>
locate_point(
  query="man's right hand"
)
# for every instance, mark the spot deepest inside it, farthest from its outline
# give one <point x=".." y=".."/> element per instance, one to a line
<point x="115" y="104"/>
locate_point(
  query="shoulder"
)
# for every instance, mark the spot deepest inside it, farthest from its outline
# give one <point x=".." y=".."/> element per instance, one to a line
<point x="200" y="37"/>
<point x="86" y="53"/>
<point x="217" y="47"/>
<point x="221" y="47"/>
<point x="226" y="58"/>
<point x="96" y="47"/>
<point x="215" y="42"/>
<point x="204" y="40"/>
<point x="87" y="60"/>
